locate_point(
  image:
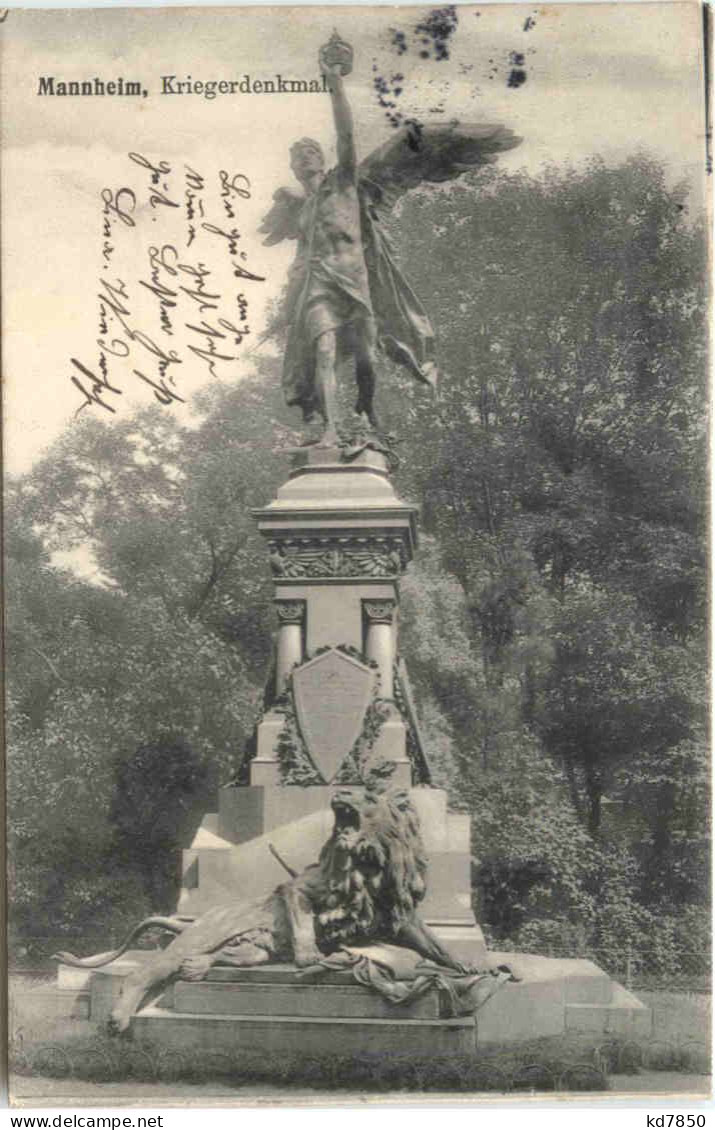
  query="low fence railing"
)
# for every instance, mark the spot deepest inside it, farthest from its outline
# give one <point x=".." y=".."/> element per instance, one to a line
<point x="648" y="967"/>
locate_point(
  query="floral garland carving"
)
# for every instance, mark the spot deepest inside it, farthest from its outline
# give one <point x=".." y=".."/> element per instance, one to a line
<point x="420" y="771"/>
<point x="324" y="557"/>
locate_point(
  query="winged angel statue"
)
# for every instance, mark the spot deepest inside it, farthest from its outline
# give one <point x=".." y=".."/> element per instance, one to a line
<point x="346" y="295"/>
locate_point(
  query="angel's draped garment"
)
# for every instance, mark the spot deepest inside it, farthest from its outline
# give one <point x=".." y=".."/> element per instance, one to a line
<point x="344" y="276"/>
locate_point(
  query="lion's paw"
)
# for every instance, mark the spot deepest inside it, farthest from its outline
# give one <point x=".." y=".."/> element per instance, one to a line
<point x="195" y="967"/>
<point x="468" y="969"/>
<point x="307" y="956"/>
<point x="117" y="1025"/>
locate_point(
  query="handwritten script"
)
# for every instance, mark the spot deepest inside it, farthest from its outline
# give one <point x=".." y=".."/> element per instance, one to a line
<point x="174" y="286"/>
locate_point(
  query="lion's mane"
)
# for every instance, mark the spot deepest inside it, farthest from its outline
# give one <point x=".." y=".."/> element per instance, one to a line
<point x="372" y="876"/>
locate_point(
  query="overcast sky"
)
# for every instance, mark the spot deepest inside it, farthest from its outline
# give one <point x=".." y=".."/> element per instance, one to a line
<point x="600" y="79"/>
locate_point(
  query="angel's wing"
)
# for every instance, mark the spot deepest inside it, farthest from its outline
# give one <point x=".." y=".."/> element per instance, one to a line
<point x="431" y="153"/>
<point x="282" y="220"/>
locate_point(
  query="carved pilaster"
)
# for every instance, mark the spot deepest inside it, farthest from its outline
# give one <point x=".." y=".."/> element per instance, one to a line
<point x="379" y="611"/>
<point x="290" y="611"/>
<point x="380" y="640"/>
<point x="289" y="650"/>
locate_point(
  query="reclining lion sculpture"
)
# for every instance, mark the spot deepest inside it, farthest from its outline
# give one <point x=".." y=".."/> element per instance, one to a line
<point x="365" y="887"/>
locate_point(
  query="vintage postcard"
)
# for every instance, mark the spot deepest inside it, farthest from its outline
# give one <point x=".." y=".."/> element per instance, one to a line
<point x="355" y="447"/>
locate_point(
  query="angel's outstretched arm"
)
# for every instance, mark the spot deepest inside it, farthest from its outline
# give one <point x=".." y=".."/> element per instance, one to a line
<point x="342" y="114"/>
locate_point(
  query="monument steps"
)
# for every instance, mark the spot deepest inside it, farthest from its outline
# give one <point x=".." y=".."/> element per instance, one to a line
<point x="306" y="1035"/>
<point x="350" y="1019"/>
<point x="317" y="1000"/>
<point x="264" y="1006"/>
<point x="281" y="973"/>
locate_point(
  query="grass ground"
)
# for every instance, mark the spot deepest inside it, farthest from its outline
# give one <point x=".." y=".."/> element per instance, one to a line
<point x="679" y="1016"/>
<point x="69" y="1062"/>
<point x="660" y="1083"/>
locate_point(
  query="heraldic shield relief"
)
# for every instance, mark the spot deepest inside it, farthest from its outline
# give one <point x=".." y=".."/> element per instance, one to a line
<point x="332" y="693"/>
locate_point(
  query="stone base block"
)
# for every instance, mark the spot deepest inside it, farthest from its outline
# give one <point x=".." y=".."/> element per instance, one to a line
<point x="246" y="812"/>
<point x="522" y="1012"/>
<point x="229" y="858"/>
<point x="308" y="1036"/>
<point x="557" y="995"/>
<point x="70" y="978"/>
<point x="278" y="973"/>
<point x="465" y="940"/>
<point x="96" y="991"/>
<point x="584" y="982"/>
<point x="100" y="987"/>
<point x="391" y="745"/>
<point x="264" y="1008"/>
<point x="624" y="1015"/>
<point x="309" y="1000"/>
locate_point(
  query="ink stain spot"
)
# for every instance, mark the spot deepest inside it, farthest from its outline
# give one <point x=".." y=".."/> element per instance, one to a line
<point x="529" y="23"/>
<point x="429" y="40"/>
<point x="517" y="78"/>
<point x="399" y="41"/>
<point x="436" y="30"/>
<point x="516" y="59"/>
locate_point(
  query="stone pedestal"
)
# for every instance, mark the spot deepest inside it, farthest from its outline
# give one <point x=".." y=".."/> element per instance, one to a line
<point x="338" y="540"/>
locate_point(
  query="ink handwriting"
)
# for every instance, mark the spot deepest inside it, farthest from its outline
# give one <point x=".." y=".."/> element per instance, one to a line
<point x="149" y="290"/>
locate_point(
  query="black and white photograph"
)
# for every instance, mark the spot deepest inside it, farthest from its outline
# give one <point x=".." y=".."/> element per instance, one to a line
<point x="355" y="430"/>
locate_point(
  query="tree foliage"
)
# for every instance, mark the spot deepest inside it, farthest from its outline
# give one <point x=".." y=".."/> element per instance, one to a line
<point x="562" y="473"/>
